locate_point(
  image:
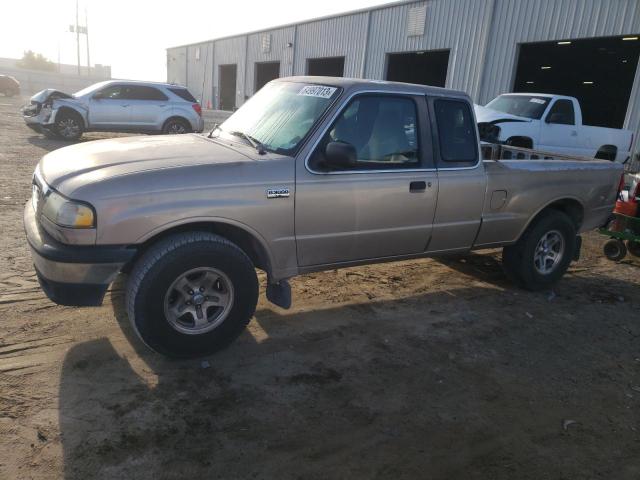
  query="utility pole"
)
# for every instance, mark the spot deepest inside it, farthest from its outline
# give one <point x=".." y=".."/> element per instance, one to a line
<point x="77" y="38"/>
<point x="86" y="33"/>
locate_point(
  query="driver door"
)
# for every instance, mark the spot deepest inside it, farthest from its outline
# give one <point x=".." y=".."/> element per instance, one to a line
<point x="559" y="132"/>
<point x="381" y="206"/>
<point x="109" y="108"/>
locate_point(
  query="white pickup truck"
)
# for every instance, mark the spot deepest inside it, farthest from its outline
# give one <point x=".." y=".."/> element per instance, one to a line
<point x="551" y="123"/>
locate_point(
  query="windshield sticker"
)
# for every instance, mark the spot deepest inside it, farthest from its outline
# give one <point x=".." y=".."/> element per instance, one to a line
<point x="317" y="91"/>
<point x="537" y="100"/>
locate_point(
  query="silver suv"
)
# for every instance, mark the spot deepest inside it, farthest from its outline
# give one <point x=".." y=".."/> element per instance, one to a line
<point x="115" y="106"/>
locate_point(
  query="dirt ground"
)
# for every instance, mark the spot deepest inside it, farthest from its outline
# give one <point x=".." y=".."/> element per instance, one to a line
<point x="433" y="369"/>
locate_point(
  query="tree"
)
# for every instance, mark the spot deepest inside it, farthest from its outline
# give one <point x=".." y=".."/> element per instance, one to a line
<point x="35" y="61"/>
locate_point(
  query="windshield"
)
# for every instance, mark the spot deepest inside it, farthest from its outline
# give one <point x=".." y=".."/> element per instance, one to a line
<point x="528" y="106"/>
<point x="280" y="115"/>
<point x="89" y="89"/>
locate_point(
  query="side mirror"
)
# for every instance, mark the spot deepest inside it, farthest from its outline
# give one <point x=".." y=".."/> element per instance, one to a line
<point x="340" y="155"/>
<point x="97" y="96"/>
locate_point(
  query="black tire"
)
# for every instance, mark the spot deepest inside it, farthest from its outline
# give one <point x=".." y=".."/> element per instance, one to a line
<point x="518" y="260"/>
<point x="68" y="126"/>
<point x="614" y="249"/>
<point x="176" y="126"/>
<point x="633" y="248"/>
<point x="156" y="271"/>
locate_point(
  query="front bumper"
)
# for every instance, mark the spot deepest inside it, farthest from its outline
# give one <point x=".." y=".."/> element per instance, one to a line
<point x="76" y="275"/>
<point x="38" y="119"/>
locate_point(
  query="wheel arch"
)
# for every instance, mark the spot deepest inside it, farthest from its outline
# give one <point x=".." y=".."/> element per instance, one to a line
<point x="570" y="206"/>
<point x="67" y="110"/>
<point x="248" y="240"/>
<point x="175" y="116"/>
<point x="607" y="152"/>
<point x="523" y="141"/>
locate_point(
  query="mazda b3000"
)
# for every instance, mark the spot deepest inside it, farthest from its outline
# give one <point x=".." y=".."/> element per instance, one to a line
<point x="312" y="173"/>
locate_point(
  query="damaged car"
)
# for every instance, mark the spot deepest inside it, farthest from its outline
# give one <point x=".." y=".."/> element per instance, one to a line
<point x="114" y="106"/>
<point x="551" y="123"/>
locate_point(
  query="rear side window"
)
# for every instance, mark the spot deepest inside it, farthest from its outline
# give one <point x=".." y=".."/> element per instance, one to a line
<point x="184" y="94"/>
<point x="456" y="131"/>
<point x="140" y="92"/>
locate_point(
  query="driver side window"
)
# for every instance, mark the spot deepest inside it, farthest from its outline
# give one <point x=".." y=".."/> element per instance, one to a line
<point x="562" y="113"/>
<point x="381" y="131"/>
<point x="113" y="92"/>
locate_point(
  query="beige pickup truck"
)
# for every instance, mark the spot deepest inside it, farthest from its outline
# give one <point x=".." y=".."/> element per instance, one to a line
<point x="310" y="174"/>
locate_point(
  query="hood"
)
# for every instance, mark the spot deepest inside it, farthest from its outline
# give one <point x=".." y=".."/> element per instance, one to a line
<point x="43" y="95"/>
<point x="84" y="163"/>
<point x="487" y="115"/>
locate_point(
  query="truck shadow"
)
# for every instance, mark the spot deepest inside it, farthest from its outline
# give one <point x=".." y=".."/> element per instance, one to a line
<point x="423" y="387"/>
<point x="48" y="144"/>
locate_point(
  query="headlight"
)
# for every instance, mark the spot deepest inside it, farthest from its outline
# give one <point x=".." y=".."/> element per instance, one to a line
<point x="67" y="213"/>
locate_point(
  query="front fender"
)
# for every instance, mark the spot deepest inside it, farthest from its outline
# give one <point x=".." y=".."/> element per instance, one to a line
<point x="78" y="108"/>
<point x="510" y="129"/>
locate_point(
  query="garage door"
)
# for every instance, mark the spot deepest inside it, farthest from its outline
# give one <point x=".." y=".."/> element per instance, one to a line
<point x="327" y="67"/>
<point x="599" y="72"/>
<point x="265" y="72"/>
<point x="227" y="85"/>
<point x="424" y="68"/>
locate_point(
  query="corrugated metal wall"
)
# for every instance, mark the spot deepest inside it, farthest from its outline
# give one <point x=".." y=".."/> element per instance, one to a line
<point x="482" y="36"/>
<point x="278" y="51"/>
<point x="522" y="21"/>
<point x="464" y="35"/>
<point x="333" y="37"/>
<point x="177" y="65"/>
<point x="200" y="61"/>
<point x="230" y="51"/>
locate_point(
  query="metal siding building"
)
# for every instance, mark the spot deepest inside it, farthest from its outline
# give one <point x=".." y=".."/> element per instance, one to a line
<point x="482" y="38"/>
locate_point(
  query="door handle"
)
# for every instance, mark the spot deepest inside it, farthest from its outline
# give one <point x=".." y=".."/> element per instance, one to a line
<point x="417" y="186"/>
<point x="574" y="133"/>
<point x="125" y="105"/>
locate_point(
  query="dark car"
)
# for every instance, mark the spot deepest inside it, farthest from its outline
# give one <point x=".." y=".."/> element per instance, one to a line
<point x="9" y="86"/>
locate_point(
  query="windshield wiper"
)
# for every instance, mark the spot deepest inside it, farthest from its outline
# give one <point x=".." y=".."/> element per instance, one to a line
<point x="252" y="141"/>
<point x="215" y="127"/>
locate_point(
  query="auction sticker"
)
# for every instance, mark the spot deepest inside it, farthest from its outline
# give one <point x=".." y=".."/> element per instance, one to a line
<point x="317" y="91"/>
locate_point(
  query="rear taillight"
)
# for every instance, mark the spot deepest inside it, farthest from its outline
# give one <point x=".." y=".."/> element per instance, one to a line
<point x="197" y="108"/>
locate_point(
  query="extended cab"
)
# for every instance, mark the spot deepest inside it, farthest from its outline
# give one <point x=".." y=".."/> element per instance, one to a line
<point x="312" y="173"/>
<point x="552" y="123"/>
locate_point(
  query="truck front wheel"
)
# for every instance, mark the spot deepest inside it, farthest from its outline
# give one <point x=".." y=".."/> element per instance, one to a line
<point x="543" y="253"/>
<point x="191" y="294"/>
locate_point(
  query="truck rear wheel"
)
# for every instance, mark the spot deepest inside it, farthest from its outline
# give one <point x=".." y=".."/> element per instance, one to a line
<point x="543" y="253"/>
<point x="191" y="294"/>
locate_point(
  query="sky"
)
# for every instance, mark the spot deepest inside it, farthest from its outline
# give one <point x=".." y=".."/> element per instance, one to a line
<point x="132" y="35"/>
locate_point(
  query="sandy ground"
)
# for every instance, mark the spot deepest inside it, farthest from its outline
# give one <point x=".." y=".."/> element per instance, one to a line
<point x="434" y="369"/>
